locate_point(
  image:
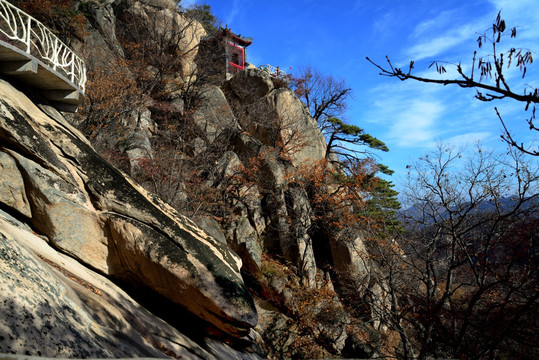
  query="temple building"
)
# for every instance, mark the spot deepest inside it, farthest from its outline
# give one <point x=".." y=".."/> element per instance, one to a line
<point x="223" y="54"/>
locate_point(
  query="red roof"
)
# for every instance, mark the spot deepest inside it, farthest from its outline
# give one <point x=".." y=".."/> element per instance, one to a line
<point x="237" y="38"/>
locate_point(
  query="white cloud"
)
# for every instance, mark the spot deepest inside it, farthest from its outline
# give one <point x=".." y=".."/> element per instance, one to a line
<point x="438" y="45"/>
<point x="407" y="114"/>
<point x="383" y="25"/>
<point x="522" y="14"/>
<point x="452" y="32"/>
<point x="413" y="115"/>
<point x="441" y="20"/>
<point x="235" y="8"/>
<point x="415" y="126"/>
<point x="513" y="10"/>
<point x="410" y="116"/>
<point x="468" y="138"/>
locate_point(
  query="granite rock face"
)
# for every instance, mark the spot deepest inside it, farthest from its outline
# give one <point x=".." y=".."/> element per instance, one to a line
<point x="54" y="306"/>
<point x="214" y="116"/>
<point x="39" y="308"/>
<point x="94" y="213"/>
<point x="298" y="127"/>
<point x="251" y="84"/>
<point x="12" y="190"/>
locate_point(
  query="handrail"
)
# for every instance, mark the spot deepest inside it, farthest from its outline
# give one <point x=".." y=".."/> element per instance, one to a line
<point x="40" y="42"/>
<point x="275" y="72"/>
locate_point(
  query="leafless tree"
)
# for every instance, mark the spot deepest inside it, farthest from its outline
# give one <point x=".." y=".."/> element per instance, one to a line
<point x="324" y="95"/>
<point x="462" y="279"/>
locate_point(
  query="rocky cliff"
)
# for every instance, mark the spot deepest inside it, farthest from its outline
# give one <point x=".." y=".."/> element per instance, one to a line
<point x="95" y="265"/>
<point x="68" y="219"/>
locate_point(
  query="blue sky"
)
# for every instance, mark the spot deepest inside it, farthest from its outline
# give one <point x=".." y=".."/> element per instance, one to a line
<point x="336" y="36"/>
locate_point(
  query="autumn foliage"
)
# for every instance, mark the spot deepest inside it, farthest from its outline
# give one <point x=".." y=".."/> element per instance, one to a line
<point x="111" y="98"/>
<point x="58" y="15"/>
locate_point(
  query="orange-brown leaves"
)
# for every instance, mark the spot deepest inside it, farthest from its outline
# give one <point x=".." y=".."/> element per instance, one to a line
<point x="337" y="198"/>
<point x="57" y="15"/>
<point x="112" y="95"/>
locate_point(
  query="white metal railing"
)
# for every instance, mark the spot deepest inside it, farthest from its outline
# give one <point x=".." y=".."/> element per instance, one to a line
<point x="31" y="36"/>
<point x="275" y="72"/>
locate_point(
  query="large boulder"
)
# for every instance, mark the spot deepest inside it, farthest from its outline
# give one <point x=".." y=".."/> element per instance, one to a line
<point x="64" y="212"/>
<point x="297" y="128"/>
<point x="251" y="84"/>
<point x="214" y="116"/>
<point x="12" y="190"/>
<point x="40" y="314"/>
<point x="89" y="209"/>
<point x="53" y="306"/>
<point x="279" y="119"/>
<point x="349" y="254"/>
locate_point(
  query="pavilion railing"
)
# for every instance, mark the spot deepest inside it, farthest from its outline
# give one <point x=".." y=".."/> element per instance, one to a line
<point x="275" y="72"/>
<point x="31" y="36"/>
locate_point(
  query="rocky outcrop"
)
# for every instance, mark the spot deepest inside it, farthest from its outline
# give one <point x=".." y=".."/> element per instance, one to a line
<point x="104" y="52"/>
<point x="280" y="134"/>
<point x="297" y="128"/>
<point x="53" y="306"/>
<point x="91" y="211"/>
<point x="300" y="212"/>
<point x="103" y="19"/>
<point x="162" y="18"/>
<point x="251" y="84"/>
<point x="257" y="116"/>
<point x="12" y="192"/>
<point x="214" y="116"/>
<point x="349" y="253"/>
<point x="276" y="117"/>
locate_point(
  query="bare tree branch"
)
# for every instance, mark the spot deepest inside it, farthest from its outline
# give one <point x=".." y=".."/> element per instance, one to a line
<point x="490" y="66"/>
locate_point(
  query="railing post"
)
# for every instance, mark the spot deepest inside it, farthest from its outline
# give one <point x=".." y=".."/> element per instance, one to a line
<point x="28" y="35"/>
<point x="73" y="68"/>
<point x="55" y="54"/>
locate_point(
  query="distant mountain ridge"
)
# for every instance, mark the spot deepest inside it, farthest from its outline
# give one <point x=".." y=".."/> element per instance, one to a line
<point x="505" y="205"/>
